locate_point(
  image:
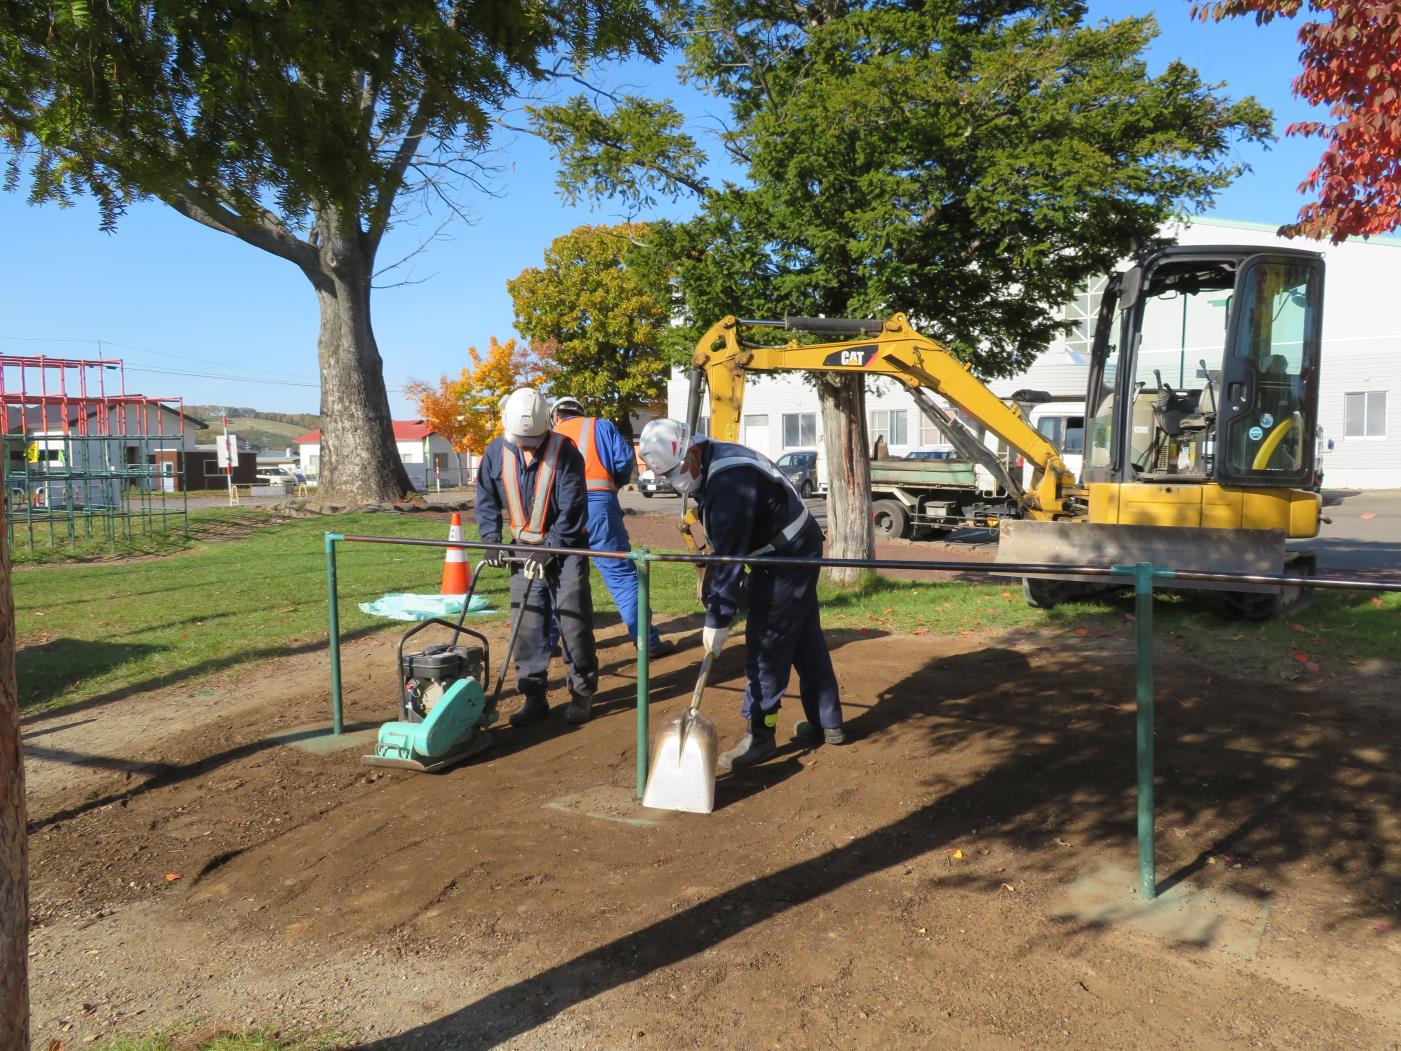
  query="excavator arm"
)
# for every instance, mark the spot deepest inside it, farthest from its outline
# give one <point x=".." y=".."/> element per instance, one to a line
<point x="890" y="348"/>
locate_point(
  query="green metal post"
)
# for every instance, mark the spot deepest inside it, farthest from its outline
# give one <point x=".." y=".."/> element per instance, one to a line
<point x="1143" y="612"/>
<point x="644" y="638"/>
<point x="333" y="633"/>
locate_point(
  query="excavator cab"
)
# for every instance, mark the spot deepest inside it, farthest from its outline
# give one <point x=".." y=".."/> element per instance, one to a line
<point x="1201" y="415"/>
<point x="1210" y="373"/>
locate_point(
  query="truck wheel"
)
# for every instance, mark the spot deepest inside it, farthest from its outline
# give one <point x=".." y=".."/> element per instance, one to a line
<point x="646" y="495"/>
<point x="890" y="518"/>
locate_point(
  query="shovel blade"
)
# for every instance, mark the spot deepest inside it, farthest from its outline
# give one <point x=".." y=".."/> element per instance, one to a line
<point x="682" y="775"/>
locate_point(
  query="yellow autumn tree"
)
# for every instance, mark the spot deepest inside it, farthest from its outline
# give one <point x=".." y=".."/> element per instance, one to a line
<point x="465" y="409"/>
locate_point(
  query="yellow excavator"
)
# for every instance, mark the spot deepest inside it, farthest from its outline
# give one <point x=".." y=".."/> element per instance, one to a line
<point x="1200" y="423"/>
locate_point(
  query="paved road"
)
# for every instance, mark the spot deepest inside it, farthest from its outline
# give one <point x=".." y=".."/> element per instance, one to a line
<point x="1363" y="536"/>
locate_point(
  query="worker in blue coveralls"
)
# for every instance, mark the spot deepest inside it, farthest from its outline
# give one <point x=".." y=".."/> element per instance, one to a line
<point x="608" y="465"/>
<point x="749" y="507"/>
<point x="534" y="479"/>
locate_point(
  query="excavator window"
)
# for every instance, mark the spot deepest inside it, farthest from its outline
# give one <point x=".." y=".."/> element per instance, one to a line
<point x="1268" y="403"/>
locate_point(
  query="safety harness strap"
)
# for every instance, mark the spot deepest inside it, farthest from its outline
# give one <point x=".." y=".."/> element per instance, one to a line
<point x="531" y="531"/>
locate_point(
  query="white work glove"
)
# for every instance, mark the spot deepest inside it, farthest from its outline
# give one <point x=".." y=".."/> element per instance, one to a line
<point x="714" y="640"/>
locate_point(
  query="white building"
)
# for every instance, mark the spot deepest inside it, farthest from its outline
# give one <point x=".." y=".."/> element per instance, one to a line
<point x="1360" y="389"/>
<point x="428" y="457"/>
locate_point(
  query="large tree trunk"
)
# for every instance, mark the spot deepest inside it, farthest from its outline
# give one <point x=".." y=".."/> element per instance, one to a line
<point x="849" y="532"/>
<point x="359" y="461"/>
<point x="14" y="881"/>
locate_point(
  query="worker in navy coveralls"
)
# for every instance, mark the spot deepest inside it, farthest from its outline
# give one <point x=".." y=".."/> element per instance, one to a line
<point x="749" y="507"/>
<point x="536" y="478"/>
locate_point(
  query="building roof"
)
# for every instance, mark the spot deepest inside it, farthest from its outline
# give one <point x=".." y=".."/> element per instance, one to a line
<point x="404" y="431"/>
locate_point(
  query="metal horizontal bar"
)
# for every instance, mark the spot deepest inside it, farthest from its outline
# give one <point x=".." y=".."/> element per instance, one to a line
<point x="986" y="568"/>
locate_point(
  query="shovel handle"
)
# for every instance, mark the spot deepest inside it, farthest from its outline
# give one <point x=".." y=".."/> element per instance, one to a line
<point x="700" y="682"/>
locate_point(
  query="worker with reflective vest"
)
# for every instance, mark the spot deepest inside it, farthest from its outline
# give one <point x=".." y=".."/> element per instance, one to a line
<point x="749" y="508"/>
<point x="535" y="478"/>
<point x="608" y="465"/>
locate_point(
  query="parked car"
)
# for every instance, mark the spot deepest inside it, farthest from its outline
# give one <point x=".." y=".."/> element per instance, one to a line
<point x="649" y="483"/>
<point x="801" y="469"/>
<point x="932" y="452"/>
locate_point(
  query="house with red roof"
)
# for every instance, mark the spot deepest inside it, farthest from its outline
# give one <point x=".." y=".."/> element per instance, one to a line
<point x="428" y="457"/>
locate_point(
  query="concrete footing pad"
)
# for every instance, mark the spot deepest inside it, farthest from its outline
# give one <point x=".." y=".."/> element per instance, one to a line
<point x="610" y="803"/>
<point x="318" y="740"/>
<point x="1186" y="915"/>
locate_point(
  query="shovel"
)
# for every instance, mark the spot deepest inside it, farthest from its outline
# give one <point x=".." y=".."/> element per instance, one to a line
<point x="683" y="762"/>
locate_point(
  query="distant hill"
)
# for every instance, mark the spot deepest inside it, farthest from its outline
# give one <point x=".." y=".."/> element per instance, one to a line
<point x="268" y="430"/>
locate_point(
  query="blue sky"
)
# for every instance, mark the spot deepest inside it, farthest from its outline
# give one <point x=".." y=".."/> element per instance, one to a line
<point x="172" y="298"/>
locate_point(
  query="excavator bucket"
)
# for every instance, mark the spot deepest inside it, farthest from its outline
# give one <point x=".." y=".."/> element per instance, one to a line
<point x="1166" y="547"/>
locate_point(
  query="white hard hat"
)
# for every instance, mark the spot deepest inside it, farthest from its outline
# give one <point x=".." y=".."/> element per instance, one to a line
<point x="664" y="444"/>
<point x="570" y="403"/>
<point x="526" y="414"/>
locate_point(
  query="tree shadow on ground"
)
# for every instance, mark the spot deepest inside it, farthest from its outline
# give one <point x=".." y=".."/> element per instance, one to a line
<point x="1034" y="756"/>
<point x="44" y="672"/>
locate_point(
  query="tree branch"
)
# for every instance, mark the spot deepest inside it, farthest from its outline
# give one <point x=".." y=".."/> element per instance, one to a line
<point x="265" y="232"/>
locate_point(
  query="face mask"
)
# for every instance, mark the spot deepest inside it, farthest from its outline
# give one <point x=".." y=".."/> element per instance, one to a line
<point x="684" y="482"/>
<point x="524" y="442"/>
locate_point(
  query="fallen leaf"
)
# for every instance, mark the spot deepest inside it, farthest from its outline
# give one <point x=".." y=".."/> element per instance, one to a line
<point x="1381" y="928"/>
<point x="1082" y="631"/>
<point x="919" y="631"/>
<point x="1312" y="666"/>
<point x="1129" y="616"/>
<point x="1368" y="514"/>
<point x="1353" y="662"/>
<point x="1376" y="600"/>
<point x="37" y="613"/>
<point x="1103" y="634"/>
<point x="1006" y="594"/>
<point x="1303" y="715"/>
<point x="1298" y="627"/>
<point x="1008" y="886"/>
<point x="1237" y="638"/>
<point x="890" y="610"/>
<point x="171" y="877"/>
<point x="957" y="855"/>
<point x="1301" y="657"/>
<point x="293" y="609"/>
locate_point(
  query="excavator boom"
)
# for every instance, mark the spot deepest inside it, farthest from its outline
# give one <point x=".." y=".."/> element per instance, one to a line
<point x="881" y="348"/>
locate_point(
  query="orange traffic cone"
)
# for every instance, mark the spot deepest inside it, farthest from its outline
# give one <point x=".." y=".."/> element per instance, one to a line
<point x="456" y="575"/>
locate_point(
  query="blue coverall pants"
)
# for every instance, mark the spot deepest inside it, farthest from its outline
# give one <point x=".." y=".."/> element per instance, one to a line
<point x="607" y="533"/>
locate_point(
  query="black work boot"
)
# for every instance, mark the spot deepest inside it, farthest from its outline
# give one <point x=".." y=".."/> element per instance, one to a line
<point x="579" y="711"/>
<point x="535" y="709"/>
<point x="808" y="734"/>
<point x="755" y="746"/>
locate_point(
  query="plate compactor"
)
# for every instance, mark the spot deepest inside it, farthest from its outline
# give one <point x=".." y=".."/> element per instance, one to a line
<point x="444" y="709"/>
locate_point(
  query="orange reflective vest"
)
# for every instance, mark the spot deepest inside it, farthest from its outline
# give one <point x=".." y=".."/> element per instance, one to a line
<point x="581" y="431"/>
<point x="530" y="530"/>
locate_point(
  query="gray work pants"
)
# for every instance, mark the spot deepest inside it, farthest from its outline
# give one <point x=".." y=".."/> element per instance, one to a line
<point x="564" y="593"/>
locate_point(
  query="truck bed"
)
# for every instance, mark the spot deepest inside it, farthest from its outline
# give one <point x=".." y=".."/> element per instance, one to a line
<point x="943" y="474"/>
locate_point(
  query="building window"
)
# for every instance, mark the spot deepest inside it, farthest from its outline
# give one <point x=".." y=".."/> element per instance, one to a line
<point x="1365" y="414"/>
<point x="892" y="425"/>
<point x="1082" y="312"/>
<point x="799" y="430"/>
<point x="212" y="468"/>
<point x="313" y="465"/>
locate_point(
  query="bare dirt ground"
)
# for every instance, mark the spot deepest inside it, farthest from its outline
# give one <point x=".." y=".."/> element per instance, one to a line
<point x="900" y="891"/>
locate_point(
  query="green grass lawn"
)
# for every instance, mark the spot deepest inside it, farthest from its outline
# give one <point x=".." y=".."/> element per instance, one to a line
<point x="108" y="629"/>
<point x="221" y="1040"/>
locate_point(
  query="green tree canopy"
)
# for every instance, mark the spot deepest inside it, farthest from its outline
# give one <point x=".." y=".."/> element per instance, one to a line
<point x="969" y="163"/>
<point x="600" y="311"/>
<point x="299" y="128"/>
